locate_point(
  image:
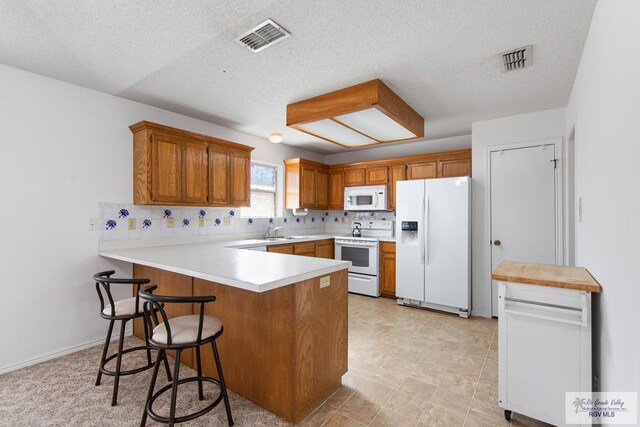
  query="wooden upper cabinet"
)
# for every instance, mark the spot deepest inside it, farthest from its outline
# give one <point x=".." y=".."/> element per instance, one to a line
<point x="322" y="189"/>
<point x="166" y="168"/>
<point x="176" y="167"/>
<point x="306" y="184"/>
<point x="195" y="172"/>
<point x="454" y="167"/>
<point x="377" y="175"/>
<point x="336" y="190"/>
<point x="240" y="177"/>
<point x="355" y="176"/>
<point x="422" y="170"/>
<point x="219" y="184"/>
<point x="396" y="173"/>
<point x="308" y="181"/>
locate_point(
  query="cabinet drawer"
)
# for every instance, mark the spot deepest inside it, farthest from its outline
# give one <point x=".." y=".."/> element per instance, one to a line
<point x="308" y="248"/>
<point x="281" y="249"/>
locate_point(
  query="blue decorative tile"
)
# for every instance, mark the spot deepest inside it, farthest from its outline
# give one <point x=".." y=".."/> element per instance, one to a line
<point x="217" y="222"/>
<point x="146" y="223"/>
<point x="111" y="224"/>
<point x="202" y="213"/>
<point x="326" y="214"/>
<point x="335" y="219"/>
<point x="250" y="221"/>
<point x="123" y="213"/>
<point x="270" y="220"/>
<point x="232" y="213"/>
<point x="286" y="220"/>
<point x="322" y="219"/>
<point x="313" y="220"/>
<point x="298" y="220"/>
<point x="166" y="213"/>
<point x="185" y="222"/>
<point x="346" y="213"/>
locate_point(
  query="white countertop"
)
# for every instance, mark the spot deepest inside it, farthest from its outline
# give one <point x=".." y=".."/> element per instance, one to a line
<point x="225" y="262"/>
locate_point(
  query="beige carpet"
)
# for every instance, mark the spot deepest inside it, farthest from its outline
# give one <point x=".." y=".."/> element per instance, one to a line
<point x="61" y="392"/>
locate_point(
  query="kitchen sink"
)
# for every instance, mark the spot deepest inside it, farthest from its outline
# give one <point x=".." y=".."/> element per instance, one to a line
<point x="284" y="238"/>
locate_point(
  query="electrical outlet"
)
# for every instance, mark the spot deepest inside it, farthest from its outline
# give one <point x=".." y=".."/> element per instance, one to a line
<point x="226" y="221"/>
<point x="325" y="281"/>
<point x="344" y="219"/>
<point x="171" y="222"/>
<point x="201" y="221"/>
<point x="131" y="223"/>
<point x="93" y="224"/>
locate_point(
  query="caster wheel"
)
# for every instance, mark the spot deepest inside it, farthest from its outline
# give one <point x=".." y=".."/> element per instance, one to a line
<point x="507" y="415"/>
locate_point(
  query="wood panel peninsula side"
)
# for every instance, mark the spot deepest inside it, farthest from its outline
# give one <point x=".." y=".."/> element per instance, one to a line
<point x="284" y="349"/>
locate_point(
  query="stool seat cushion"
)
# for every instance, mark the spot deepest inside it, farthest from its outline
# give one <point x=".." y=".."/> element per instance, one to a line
<point x="125" y="307"/>
<point x="184" y="329"/>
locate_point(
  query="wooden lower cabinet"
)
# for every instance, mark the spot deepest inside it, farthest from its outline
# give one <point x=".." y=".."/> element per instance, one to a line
<point x="388" y="269"/>
<point x="325" y="249"/>
<point x="318" y="249"/>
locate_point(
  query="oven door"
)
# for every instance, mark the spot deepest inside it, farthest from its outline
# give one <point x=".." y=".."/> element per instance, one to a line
<point x="362" y="254"/>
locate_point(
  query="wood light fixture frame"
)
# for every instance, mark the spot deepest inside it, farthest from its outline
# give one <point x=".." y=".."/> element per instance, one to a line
<point x="363" y="96"/>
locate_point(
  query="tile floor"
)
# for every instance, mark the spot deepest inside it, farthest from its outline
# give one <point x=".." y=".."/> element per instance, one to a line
<point x="413" y="367"/>
<point x="407" y="367"/>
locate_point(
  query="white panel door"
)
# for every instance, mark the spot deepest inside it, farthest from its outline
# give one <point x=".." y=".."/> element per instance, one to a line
<point x="410" y="207"/>
<point x="523" y="207"/>
<point x="447" y="256"/>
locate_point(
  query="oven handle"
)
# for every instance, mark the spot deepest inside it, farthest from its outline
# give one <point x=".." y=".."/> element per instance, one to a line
<point x="364" y="244"/>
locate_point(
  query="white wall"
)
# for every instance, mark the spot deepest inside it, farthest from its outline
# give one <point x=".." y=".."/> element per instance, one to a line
<point x="526" y="127"/>
<point x="385" y="151"/>
<point x="605" y="109"/>
<point x="64" y="150"/>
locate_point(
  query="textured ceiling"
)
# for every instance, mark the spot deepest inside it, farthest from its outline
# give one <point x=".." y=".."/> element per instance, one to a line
<point x="441" y="56"/>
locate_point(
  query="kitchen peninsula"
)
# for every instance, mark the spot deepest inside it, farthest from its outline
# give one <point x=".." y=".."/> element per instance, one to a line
<point x="284" y="344"/>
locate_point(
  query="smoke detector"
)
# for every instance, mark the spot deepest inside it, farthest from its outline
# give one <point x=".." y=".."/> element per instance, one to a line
<point x="517" y="59"/>
<point x="263" y="36"/>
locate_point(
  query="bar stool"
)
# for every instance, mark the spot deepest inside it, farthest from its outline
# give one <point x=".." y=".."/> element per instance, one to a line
<point x="123" y="310"/>
<point x="181" y="333"/>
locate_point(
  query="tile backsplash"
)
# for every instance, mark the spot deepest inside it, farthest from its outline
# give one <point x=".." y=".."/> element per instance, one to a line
<point x="153" y="222"/>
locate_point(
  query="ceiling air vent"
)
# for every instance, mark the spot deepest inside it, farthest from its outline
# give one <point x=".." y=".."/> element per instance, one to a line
<point x="263" y="35"/>
<point x="517" y="59"/>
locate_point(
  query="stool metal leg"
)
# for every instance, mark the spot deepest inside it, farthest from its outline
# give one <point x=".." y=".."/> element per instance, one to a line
<point x="174" y="390"/>
<point x="104" y="351"/>
<point x="114" y="400"/>
<point x="166" y="365"/>
<point x="156" y="368"/>
<point x="199" y="365"/>
<point x="216" y="356"/>
<point x="146" y="340"/>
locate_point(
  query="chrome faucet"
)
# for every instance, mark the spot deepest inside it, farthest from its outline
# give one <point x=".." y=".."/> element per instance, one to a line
<point x="269" y="233"/>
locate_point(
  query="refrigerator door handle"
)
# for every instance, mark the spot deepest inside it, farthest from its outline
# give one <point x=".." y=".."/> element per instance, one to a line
<point x="426" y="229"/>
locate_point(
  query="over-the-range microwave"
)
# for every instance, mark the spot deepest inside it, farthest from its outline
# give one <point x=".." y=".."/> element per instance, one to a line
<point x="370" y="198"/>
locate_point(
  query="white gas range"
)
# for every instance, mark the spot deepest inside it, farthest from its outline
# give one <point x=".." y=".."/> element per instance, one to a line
<point x="362" y="251"/>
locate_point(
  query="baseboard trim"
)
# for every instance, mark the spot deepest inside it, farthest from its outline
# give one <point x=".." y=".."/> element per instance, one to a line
<point x="60" y="353"/>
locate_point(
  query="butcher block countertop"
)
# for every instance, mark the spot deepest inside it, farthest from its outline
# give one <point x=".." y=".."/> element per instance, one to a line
<point x="556" y="276"/>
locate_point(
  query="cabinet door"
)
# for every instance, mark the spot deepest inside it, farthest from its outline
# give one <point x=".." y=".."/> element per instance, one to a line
<point x="421" y="170"/>
<point x="388" y="269"/>
<point x="240" y="165"/>
<point x="397" y="173"/>
<point x="355" y="177"/>
<point x="336" y="193"/>
<point x="325" y="249"/>
<point x="194" y="172"/>
<point x="322" y="189"/>
<point x="166" y="165"/>
<point x="454" y="167"/>
<point x="281" y="249"/>
<point x="377" y="175"/>
<point x="308" y="195"/>
<point x="219" y="172"/>
<point x="305" y="249"/>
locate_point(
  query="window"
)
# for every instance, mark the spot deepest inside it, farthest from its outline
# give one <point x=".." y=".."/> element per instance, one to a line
<point x="264" y="191"/>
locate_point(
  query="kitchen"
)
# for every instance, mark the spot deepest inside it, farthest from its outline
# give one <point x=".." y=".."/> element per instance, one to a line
<point x="379" y="287"/>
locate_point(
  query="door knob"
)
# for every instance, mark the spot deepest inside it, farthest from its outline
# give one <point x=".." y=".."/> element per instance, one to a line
<point x="497" y="242"/>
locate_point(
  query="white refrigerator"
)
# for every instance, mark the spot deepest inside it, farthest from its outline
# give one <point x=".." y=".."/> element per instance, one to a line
<point x="433" y="244"/>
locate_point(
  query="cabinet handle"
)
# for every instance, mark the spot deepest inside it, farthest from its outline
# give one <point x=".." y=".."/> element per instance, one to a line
<point x="497" y="242"/>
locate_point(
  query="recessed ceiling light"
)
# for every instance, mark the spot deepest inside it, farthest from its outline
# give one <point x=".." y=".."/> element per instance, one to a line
<point x="276" y="138"/>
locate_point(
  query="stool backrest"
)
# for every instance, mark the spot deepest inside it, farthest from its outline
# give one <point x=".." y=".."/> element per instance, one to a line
<point x="155" y="304"/>
<point x="104" y="280"/>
